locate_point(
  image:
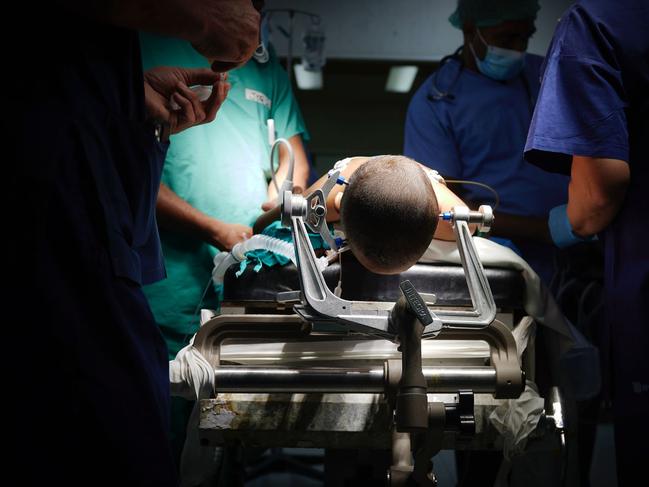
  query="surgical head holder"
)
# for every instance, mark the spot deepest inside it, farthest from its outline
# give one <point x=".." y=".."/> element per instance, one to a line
<point x="370" y="317"/>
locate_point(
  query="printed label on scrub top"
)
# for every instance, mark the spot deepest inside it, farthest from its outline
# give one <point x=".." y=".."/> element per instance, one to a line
<point x="257" y="96"/>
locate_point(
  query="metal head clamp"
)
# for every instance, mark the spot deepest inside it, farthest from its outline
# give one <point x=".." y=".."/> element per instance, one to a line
<point x="312" y="210"/>
<point x="484" y="216"/>
<point x="367" y="316"/>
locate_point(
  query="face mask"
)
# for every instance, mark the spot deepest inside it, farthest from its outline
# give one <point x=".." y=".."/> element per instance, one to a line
<point x="499" y="63"/>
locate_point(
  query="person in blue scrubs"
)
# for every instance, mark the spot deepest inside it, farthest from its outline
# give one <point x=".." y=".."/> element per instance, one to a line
<point x="592" y="121"/>
<point x="470" y="118"/>
<point x="86" y="365"/>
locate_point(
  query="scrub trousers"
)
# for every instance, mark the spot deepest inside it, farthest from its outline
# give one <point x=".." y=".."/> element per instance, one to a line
<point x="629" y="336"/>
<point x="85" y="365"/>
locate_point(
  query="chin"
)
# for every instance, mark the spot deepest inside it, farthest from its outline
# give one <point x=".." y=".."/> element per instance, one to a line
<point x="379" y="268"/>
<point x="389" y="272"/>
<point x="384" y="270"/>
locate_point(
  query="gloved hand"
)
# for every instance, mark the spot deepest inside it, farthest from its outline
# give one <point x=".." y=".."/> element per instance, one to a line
<point x="561" y="230"/>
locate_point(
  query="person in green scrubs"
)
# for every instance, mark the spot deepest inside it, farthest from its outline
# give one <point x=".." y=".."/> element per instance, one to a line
<point x="214" y="182"/>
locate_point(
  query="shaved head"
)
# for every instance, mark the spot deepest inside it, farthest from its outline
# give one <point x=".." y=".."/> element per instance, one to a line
<point x="389" y="213"/>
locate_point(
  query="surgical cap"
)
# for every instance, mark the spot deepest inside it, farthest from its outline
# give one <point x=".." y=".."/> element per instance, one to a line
<point x="486" y="13"/>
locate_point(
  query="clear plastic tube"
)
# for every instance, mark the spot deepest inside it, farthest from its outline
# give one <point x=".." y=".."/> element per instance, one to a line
<point x="264" y="242"/>
<point x="287" y="185"/>
<point x="224" y="260"/>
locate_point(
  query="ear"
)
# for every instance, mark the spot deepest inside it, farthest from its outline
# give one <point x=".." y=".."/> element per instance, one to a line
<point x="337" y="200"/>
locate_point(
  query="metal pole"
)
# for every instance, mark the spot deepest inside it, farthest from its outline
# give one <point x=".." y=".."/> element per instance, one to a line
<point x="261" y="379"/>
<point x="289" y="54"/>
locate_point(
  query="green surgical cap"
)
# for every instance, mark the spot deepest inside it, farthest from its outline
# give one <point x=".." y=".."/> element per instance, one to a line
<point x="486" y="13"/>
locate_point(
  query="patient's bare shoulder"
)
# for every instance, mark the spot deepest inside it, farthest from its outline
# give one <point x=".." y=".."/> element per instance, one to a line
<point x="433" y="175"/>
<point x="348" y="166"/>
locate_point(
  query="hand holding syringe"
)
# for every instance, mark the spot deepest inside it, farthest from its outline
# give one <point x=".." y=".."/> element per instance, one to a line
<point x="167" y="86"/>
<point x="202" y="91"/>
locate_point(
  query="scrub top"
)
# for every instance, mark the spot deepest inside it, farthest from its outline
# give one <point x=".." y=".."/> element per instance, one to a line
<point x="222" y="169"/>
<point x="477" y="132"/>
<point x="594" y="102"/>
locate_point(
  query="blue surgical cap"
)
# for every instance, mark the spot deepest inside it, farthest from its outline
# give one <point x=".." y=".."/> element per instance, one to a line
<point x="486" y="13"/>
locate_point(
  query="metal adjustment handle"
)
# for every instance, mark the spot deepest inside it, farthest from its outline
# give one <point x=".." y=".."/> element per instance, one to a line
<point x="416" y="303"/>
<point x="408" y="318"/>
<point x="312" y="210"/>
<point x="487" y="218"/>
<point x="292" y="206"/>
<point x="484" y="217"/>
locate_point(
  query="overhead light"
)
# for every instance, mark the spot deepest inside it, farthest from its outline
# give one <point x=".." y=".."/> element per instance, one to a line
<point x="400" y="78"/>
<point x="307" y="79"/>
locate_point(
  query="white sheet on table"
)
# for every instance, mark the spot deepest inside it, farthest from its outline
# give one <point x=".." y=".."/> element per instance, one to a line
<point x="576" y="360"/>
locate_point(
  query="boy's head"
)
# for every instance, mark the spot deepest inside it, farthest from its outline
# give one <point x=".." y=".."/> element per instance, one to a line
<point x="389" y="213"/>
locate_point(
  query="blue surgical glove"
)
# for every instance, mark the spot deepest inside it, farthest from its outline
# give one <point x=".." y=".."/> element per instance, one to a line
<point x="561" y="230"/>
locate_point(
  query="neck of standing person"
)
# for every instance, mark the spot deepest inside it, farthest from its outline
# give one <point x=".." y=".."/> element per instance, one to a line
<point x="468" y="61"/>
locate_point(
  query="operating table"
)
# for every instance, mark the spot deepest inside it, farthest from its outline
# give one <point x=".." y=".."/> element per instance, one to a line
<point x="419" y="392"/>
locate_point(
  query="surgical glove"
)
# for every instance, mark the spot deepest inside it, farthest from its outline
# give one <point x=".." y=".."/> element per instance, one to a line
<point x="561" y="230"/>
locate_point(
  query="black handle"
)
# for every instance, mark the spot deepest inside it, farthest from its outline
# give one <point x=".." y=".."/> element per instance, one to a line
<point x="416" y="303"/>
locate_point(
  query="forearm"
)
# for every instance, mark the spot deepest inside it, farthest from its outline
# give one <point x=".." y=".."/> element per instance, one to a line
<point x="596" y="193"/>
<point x="220" y="30"/>
<point x="302" y="169"/>
<point x="266" y="219"/>
<point x="446" y="200"/>
<point x="176" y="18"/>
<point x="511" y="226"/>
<point x="175" y="214"/>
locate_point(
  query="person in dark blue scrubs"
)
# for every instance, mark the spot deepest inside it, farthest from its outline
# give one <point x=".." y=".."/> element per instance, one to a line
<point x="470" y="118"/>
<point x="592" y="121"/>
<point x="86" y="365"/>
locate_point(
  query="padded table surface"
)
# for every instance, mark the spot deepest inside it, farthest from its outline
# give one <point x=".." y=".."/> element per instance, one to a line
<point x="446" y="281"/>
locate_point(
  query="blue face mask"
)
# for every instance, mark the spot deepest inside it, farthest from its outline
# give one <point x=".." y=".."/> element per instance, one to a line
<point x="499" y="63"/>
